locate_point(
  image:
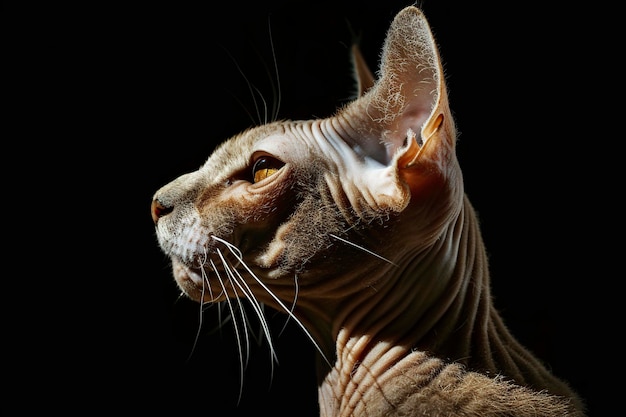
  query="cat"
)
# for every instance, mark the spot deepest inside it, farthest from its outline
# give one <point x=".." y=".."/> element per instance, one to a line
<point x="357" y="227"/>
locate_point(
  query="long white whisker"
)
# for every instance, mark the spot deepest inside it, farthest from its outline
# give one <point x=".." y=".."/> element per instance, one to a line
<point x="208" y="304"/>
<point x="237" y="254"/>
<point x="200" y="318"/>
<point x="258" y="308"/>
<point x="232" y="278"/>
<point x="237" y="336"/>
<point x="220" y="308"/>
<point x="233" y="249"/>
<point x="362" y="248"/>
<point x="243" y="286"/>
<point x="205" y="280"/>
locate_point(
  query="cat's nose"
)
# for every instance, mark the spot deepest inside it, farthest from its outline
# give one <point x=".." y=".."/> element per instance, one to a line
<point x="158" y="210"/>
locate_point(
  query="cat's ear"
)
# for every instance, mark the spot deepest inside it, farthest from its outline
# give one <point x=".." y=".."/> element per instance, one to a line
<point x="402" y="127"/>
<point x="362" y="74"/>
<point x="408" y="106"/>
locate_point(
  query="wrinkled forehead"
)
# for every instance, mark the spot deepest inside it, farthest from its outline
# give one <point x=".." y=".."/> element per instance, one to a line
<point x="237" y="149"/>
<point x="289" y="143"/>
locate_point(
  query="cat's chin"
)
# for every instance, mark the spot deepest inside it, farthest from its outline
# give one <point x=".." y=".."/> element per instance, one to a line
<point x="185" y="273"/>
<point x="192" y="281"/>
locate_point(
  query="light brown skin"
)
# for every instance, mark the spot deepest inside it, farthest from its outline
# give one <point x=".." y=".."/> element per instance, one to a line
<point x="362" y="221"/>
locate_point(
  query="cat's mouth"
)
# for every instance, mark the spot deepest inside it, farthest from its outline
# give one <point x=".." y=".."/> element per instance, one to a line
<point x="208" y="282"/>
<point x="183" y="272"/>
<point x="194" y="282"/>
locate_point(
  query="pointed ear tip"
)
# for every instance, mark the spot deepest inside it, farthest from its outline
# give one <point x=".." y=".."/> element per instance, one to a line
<point x="413" y="10"/>
<point x="414" y="15"/>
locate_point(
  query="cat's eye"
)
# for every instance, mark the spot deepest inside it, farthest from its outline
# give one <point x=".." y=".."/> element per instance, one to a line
<point x="264" y="167"/>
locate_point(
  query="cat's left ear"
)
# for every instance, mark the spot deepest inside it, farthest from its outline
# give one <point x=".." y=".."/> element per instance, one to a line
<point x="362" y="75"/>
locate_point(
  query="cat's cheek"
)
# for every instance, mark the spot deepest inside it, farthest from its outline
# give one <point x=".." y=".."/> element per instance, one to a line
<point x="258" y="207"/>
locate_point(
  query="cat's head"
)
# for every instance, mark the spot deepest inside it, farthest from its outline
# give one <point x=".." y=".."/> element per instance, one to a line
<point x="310" y="201"/>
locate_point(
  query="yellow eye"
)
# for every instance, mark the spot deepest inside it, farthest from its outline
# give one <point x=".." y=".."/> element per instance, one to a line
<point x="264" y="167"/>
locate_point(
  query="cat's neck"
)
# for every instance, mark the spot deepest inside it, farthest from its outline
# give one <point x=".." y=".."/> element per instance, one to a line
<point x="466" y="330"/>
<point x="446" y="321"/>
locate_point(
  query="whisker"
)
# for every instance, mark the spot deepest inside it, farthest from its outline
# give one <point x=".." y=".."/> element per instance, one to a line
<point x="276" y="90"/>
<point x="252" y="90"/>
<point x="221" y="322"/>
<point x="293" y="305"/>
<point x="237" y="336"/>
<point x="362" y="248"/>
<point x="205" y="279"/>
<point x="245" y="109"/>
<point x="235" y="251"/>
<point x="232" y="248"/>
<point x="258" y="308"/>
<point x="221" y="306"/>
<point x="277" y="101"/>
<point x="243" y="286"/>
<point x="181" y="296"/>
<point x="200" y="318"/>
<point x="241" y="282"/>
<point x="242" y="312"/>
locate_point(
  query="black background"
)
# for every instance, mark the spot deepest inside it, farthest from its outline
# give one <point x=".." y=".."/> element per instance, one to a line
<point x="138" y="93"/>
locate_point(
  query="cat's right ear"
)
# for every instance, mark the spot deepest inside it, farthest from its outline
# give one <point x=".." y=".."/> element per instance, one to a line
<point x="409" y="102"/>
<point x="403" y="122"/>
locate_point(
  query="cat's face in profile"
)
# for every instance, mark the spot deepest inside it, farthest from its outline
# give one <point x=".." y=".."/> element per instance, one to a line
<point x="315" y="201"/>
<point x="264" y="192"/>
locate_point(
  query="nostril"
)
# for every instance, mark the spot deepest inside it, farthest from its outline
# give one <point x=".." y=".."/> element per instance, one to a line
<point x="158" y="210"/>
